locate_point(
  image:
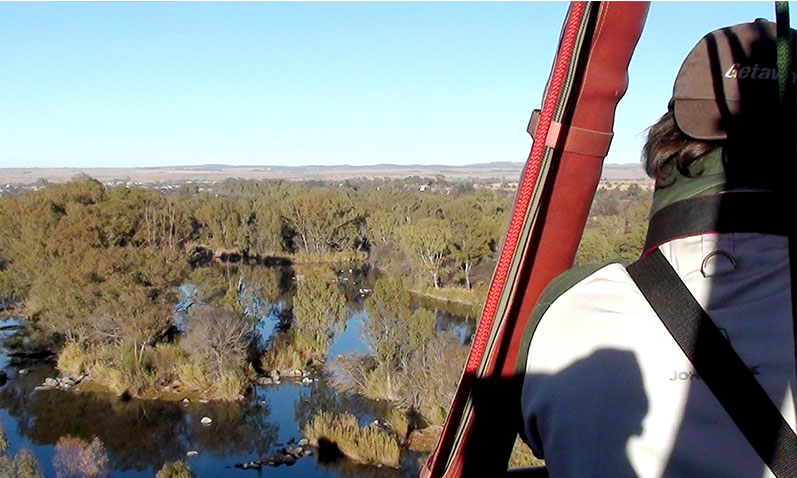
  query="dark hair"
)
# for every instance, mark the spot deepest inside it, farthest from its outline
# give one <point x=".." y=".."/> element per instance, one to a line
<point x="667" y="148"/>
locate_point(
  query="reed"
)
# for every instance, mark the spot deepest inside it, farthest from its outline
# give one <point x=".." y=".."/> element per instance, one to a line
<point x="368" y="445"/>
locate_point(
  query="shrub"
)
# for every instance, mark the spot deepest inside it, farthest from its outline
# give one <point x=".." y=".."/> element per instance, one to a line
<point x="282" y="355"/>
<point x="426" y="383"/>
<point x="368" y="445"/>
<point x="196" y="380"/>
<point x="7" y="469"/>
<point x="163" y="360"/>
<point x="72" y="359"/>
<point x="76" y="458"/>
<point x="175" y="469"/>
<point x="108" y="377"/>
<point x="3" y="441"/>
<point x="192" y="377"/>
<point x="218" y="341"/>
<point x="26" y="465"/>
<point x="399" y="422"/>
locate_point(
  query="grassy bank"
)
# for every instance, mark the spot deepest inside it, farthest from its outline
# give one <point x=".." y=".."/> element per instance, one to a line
<point x="164" y="371"/>
<point x="369" y="445"/>
<point x="471" y="300"/>
<point x="339" y="257"/>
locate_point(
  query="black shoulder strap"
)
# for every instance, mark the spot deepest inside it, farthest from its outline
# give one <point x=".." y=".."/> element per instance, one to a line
<point x="718" y="365"/>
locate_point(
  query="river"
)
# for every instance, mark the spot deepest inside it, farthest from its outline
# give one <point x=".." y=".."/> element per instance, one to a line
<point x="141" y="435"/>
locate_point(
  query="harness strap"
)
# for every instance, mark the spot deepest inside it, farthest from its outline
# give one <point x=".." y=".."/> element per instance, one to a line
<point x="727" y="212"/>
<point x="723" y="371"/>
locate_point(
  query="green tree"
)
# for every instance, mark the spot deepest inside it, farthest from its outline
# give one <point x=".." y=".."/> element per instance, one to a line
<point x="225" y="222"/>
<point x="323" y="220"/>
<point x="382" y="225"/>
<point x="471" y="233"/>
<point x="266" y="228"/>
<point x="427" y="241"/>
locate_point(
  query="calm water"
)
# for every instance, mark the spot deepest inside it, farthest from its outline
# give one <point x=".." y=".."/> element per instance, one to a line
<point x="140" y="436"/>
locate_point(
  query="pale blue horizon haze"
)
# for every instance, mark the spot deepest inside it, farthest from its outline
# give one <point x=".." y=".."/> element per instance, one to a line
<point x="288" y="84"/>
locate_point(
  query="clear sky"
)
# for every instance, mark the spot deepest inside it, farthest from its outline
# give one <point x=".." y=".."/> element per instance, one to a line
<point x="157" y="84"/>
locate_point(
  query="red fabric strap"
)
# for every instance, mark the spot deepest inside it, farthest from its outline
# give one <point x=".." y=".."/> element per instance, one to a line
<point x="577" y="140"/>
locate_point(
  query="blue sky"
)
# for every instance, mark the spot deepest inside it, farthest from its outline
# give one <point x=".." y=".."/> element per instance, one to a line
<point x="157" y="84"/>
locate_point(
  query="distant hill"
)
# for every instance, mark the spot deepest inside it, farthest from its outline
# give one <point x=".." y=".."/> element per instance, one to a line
<point x="502" y="171"/>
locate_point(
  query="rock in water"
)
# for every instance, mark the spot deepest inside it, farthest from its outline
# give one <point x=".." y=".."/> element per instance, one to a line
<point x="192" y="453"/>
<point x="206" y="421"/>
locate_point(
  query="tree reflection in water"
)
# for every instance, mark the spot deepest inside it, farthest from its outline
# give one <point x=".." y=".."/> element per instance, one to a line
<point x="139" y="434"/>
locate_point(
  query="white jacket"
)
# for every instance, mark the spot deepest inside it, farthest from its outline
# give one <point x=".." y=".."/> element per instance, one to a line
<point x="607" y="391"/>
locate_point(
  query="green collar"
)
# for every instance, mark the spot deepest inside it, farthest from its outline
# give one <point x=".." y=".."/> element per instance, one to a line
<point x="708" y="177"/>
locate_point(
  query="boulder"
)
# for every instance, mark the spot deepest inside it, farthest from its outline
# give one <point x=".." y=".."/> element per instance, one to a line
<point x="425" y="439"/>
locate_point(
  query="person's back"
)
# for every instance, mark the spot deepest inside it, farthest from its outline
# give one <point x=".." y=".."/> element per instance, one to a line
<point x="607" y="390"/>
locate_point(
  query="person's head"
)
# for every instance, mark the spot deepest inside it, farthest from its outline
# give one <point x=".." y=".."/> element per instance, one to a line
<point x="725" y="96"/>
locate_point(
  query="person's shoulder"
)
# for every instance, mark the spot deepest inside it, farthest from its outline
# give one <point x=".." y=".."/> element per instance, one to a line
<point x="576" y="284"/>
<point x="580" y="277"/>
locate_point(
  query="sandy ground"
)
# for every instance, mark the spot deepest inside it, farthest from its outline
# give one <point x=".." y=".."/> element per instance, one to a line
<point x="502" y="171"/>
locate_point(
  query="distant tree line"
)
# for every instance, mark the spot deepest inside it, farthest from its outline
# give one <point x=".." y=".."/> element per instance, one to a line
<point x="617" y="224"/>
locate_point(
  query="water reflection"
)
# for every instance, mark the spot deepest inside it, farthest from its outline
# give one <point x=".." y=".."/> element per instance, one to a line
<point x="462" y="326"/>
<point x="141" y="435"/>
<point x="138" y="434"/>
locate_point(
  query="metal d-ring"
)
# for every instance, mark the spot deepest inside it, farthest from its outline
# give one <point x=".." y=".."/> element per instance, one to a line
<point x="711" y="254"/>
